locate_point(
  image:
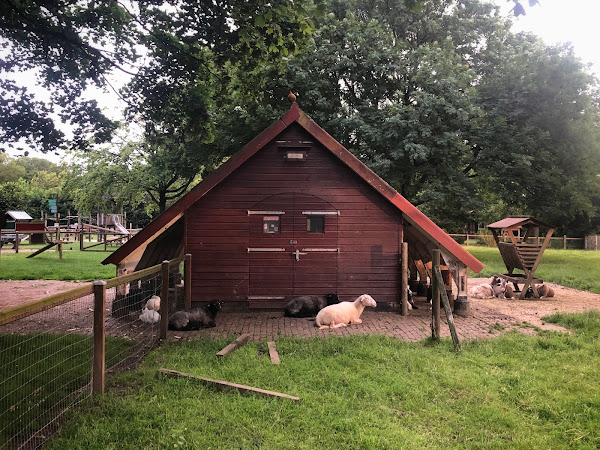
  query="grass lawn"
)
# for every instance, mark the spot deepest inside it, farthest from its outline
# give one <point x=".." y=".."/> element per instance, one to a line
<point x="34" y="386"/>
<point x="75" y="265"/>
<point x="577" y="269"/>
<point x="367" y="392"/>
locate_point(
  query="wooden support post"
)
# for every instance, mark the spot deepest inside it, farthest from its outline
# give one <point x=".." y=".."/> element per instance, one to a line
<point x="404" y="280"/>
<point x="437" y="273"/>
<point x="99" y="337"/>
<point x="462" y="305"/>
<point x="81" y="239"/>
<point x="164" y="300"/>
<point x="273" y="352"/>
<point x="235" y="345"/>
<point x="436" y="285"/>
<point x="564" y="241"/>
<point x="59" y="244"/>
<point x="226" y="384"/>
<point x="187" y="280"/>
<point x="17" y="242"/>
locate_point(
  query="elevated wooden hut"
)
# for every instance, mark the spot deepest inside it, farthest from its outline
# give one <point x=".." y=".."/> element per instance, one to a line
<point x="293" y="213"/>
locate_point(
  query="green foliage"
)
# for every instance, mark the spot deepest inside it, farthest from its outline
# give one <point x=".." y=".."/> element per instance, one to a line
<point x="71" y="46"/>
<point x="445" y="104"/>
<point x="75" y="265"/>
<point x="10" y="170"/>
<point x="356" y="392"/>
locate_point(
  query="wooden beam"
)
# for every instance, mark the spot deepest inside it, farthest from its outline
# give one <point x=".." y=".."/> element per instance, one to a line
<point x="437" y="285"/>
<point x="164" y="300"/>
<point x="437" y="273"/>
<point x="99" y="359"/>
<point x="41" y="250"/>
<point x="187" y="281"/>
<point x="404" y="280"/>
<point x="273" y="352"/>
<point x="227" y="385"/>
<point x="235" y="345"/>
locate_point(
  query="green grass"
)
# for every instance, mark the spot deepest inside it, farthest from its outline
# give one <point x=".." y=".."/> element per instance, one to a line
<point x="40" y="371"/>
<point x="577" y="269"/>
<point x="75" y="265"/>
<point x="366" y="392"/>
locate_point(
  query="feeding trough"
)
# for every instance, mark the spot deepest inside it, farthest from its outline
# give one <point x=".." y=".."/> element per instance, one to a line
<point x="524" y="251"/>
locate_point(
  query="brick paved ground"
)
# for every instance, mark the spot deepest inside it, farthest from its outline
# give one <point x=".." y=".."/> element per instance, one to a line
<point x="489" y="318"/>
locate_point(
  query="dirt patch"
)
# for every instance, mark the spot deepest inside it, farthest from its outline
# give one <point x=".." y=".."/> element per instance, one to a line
<point x="16" y="293"/>
<point x="531" y="311"/>
<point x="488" y="318"/>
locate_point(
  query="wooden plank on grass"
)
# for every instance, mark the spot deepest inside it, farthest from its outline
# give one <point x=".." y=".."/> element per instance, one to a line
<point x="273" y="352"/>
<point x="227" y="385"/>
<point x="235" y="345"/>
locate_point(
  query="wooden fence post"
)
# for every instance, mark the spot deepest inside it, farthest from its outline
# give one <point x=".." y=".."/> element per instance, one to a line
<point x="187" y="280"/>
<point x="435" y="296"/>
<point x="164" y="300"/>
<point x="564" y="241"/>
<point x="404" y="280"/>
<point x="99" y="337"/>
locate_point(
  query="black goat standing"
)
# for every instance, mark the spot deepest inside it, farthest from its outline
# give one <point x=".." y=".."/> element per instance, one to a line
<point x="195" y="318"/>
<point x="309" y="305"/>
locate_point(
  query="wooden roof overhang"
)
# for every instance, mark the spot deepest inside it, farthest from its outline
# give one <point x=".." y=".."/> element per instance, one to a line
<point x="421" y="229"/>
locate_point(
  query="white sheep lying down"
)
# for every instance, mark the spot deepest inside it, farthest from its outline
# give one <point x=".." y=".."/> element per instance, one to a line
<point x="343" y="313"/>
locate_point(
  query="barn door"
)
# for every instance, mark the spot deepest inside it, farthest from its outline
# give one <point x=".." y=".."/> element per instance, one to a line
<point x="293" y="249"/>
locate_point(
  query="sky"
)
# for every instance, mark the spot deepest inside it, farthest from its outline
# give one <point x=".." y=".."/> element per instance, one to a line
<point x="555" y="21"/>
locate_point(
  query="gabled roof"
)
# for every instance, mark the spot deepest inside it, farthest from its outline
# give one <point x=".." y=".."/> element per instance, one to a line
<point x="518" y="222"/>
<point x="19" y="215"/>
<point x="296" y="115"/>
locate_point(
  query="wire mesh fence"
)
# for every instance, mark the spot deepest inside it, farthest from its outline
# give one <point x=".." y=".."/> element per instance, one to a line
<point x="47" y="350"/>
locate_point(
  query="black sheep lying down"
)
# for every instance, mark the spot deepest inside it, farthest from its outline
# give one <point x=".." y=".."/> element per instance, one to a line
<point x="195" y="318"/>
<point x="309" y="305"/>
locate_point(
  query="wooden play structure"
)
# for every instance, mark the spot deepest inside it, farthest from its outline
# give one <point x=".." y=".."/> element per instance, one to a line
<point x="523" y="251"/>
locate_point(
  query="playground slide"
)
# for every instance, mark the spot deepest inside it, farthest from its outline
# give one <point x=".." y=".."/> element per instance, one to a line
<point x="120" y="227"/>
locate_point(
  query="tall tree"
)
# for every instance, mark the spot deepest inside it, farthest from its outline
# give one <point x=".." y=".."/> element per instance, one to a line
<point x="72" y="45"/>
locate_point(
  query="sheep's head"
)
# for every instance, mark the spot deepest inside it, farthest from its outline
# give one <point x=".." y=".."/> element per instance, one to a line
<point x="214" y="306"/>
<point x="332" y="299"/>
<point x="497" y="281"/>
<point x="367" y="300"/>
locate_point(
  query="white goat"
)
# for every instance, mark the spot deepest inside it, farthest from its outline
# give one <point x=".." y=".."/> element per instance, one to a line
<point x="341" y="314"/>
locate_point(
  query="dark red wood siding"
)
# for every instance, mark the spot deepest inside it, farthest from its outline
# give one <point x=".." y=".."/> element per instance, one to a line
<point x="219" y="231"/>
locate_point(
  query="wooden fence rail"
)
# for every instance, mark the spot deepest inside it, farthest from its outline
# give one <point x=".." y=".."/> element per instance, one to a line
<point x="472" y="239"/>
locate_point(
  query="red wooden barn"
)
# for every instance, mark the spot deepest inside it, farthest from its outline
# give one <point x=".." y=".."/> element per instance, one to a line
<point x="292" y="213"/>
